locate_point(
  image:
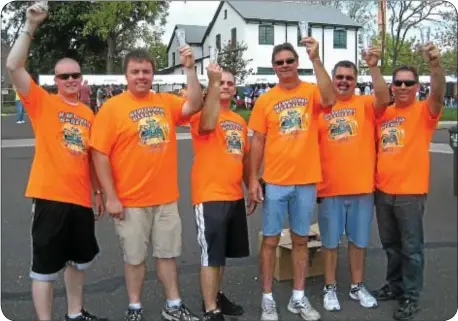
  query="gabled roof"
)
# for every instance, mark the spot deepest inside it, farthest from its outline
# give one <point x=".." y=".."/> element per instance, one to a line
<point x="291" y="11"/>
<point x="194" y="34"/>
<point x="284" y="11"/>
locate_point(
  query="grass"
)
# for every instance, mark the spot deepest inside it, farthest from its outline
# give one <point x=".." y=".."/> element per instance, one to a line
<point x="448" y="114"/>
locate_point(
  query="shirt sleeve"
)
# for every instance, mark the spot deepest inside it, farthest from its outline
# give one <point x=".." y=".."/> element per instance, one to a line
<point x="431" y="121"/>
<point x="104" y="131"/>
<point x="33" y="101"/>
<point x="258" y="119"/>
<point x="176" y="104"/>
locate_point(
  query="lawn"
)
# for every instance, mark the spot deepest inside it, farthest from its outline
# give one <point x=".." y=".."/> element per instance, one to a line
<point x="450" y="114"/>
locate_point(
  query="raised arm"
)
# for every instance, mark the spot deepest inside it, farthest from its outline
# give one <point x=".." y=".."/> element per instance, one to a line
<point x="15" y="62"/>
<point x="323" y="81"/>
<point x="436" y="96"/>
<point x="195" y="102"/>
<point x="210" y="112"/>
<point x="381" y="90"/>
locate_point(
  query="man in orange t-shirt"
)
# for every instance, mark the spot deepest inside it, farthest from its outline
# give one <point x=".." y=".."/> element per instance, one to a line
<point x="285" y="133"/>
<point x="347" y="152"/>
<point x="404" y="133"/>
<point x="63" y="229"/>
<point x="219" y="136"/>
<point x="135" y="154"/>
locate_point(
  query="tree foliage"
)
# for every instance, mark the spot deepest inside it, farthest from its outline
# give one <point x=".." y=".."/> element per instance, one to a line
<point x="408" y="16"/>
<point x="97" y="34"/>
<point x="231" y="58"/>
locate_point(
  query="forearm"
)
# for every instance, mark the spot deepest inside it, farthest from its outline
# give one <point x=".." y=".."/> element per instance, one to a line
<point x="103" y="172"/>
<point x="19" y="52"/>
<point x="437" y="87"/>
<point x="210" y="111"/>
<point x="324" y="84"/>
<point x="194" y="90"/>
<point x="256" y="154"/>
<point x="94" y="179"/>
<point x="381" y="91"/>
<point x="246" y="169"/>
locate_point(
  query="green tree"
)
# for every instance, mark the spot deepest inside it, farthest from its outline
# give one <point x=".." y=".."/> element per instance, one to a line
<point x="123" y="23"/>
<point x="159" y="52"/>
<point x="408" y="16"/>
<point x="231" y="58"/>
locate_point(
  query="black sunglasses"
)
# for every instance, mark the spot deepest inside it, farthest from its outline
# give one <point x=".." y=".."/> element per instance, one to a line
<point x="289" y="61"/>
<point x="229" y="83"/>
<point x="74" y="75"/>
<point x="408" y="83"/>
<point x="342" y="77"/>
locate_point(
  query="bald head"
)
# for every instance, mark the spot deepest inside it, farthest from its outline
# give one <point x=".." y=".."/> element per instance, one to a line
<point x="66" y="63"/>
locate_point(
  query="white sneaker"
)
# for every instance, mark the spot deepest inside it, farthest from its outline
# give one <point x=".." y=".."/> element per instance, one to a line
<point x="269" y="310"/>
<point x="304" y="308"/>
<point x="361" y="294"/>
<point x="330" y="301"/>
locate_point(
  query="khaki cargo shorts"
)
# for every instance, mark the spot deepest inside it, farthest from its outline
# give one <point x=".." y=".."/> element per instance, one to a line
<point x="160" y="225"/>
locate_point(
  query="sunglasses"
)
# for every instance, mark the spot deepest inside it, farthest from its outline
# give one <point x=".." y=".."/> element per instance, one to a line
<point x="229" y="83"/>
<point x="74" y="75"/>
<point x="342" y="77"/>
<point x="289" y="61"/>
<point x="407" y="83"/>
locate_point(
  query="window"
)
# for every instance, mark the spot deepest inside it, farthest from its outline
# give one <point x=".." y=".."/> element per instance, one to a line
<point x="234" y="36"/>
<point x="266" y="34"/>
<point x="309" y="34"/>
<point x="225" y="14"/>
<point x="173" y="59"/>
<point x="340" y="38"/>
<point x="265" y="71"/>
<point x="218" y="42"/>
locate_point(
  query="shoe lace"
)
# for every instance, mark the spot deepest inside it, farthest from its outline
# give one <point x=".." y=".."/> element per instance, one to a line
<point x="186" y="314"/>
<point x="331" y="293"/>
<point x="269" y="306"/>
<point x="134" y="315"/>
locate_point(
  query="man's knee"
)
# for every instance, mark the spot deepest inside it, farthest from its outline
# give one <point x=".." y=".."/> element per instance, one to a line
<point x="270" y="242"/>
<point x="298" y="241"/>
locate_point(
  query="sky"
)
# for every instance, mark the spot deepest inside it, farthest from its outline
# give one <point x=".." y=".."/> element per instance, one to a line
<point x="180" y="13"/>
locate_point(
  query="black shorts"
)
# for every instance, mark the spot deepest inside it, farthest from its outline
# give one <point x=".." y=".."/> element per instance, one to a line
<point x="222" y="231"/>
<point x="61" y="233"/>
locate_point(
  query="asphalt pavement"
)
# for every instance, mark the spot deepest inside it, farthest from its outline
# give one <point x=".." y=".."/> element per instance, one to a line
<point x="105" y="290"/>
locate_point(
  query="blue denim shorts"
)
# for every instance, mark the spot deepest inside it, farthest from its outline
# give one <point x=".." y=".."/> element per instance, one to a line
<point x="296" y="200"/>
<point x="350" y="213"/>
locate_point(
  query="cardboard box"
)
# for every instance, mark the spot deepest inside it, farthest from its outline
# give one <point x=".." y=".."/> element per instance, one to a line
<point x="283" y="265"/>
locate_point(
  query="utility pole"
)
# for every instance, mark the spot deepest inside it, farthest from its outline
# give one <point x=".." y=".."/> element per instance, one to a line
<point x="382" y="29"/>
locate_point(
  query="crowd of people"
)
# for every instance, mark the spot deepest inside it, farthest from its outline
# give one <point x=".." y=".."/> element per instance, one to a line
<point x="316" y="142"/>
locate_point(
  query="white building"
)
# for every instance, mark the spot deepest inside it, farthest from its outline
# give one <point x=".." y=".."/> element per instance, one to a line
<point x="262" y="25"/>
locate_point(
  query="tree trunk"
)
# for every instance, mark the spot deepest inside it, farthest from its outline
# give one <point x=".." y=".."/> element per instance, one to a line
<point x="110" y="53"/>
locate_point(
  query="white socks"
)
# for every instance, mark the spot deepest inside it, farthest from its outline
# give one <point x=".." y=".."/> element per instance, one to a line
<point x="298" y="295"/>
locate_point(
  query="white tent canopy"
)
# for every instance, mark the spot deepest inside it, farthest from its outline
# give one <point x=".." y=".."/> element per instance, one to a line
<point x="160" y="80"/>
<point x="121" y="79"/>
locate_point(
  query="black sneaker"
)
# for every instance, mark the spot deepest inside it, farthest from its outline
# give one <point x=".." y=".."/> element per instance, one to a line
<point x="214" y="315"/>
<point x="386" y="293"/>
<point x="226" y="306"/>
<point x="179" y="313"/>
<point x="133" y="315"/>
<point x="406" y="310"/>
<point x="85" y="316"/>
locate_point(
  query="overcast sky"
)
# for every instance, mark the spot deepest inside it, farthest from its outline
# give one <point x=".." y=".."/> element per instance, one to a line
<point x="190" y="13"/>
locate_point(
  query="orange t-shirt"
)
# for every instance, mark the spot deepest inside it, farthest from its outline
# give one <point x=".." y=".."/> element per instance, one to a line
<point x="403" y="139"/>
<point x="347" y="147"/>
<point x="289" y="119"/>
<point x="217" y="170"/>
<point x="60" y="169"/>
<point x="139" y="137"/>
